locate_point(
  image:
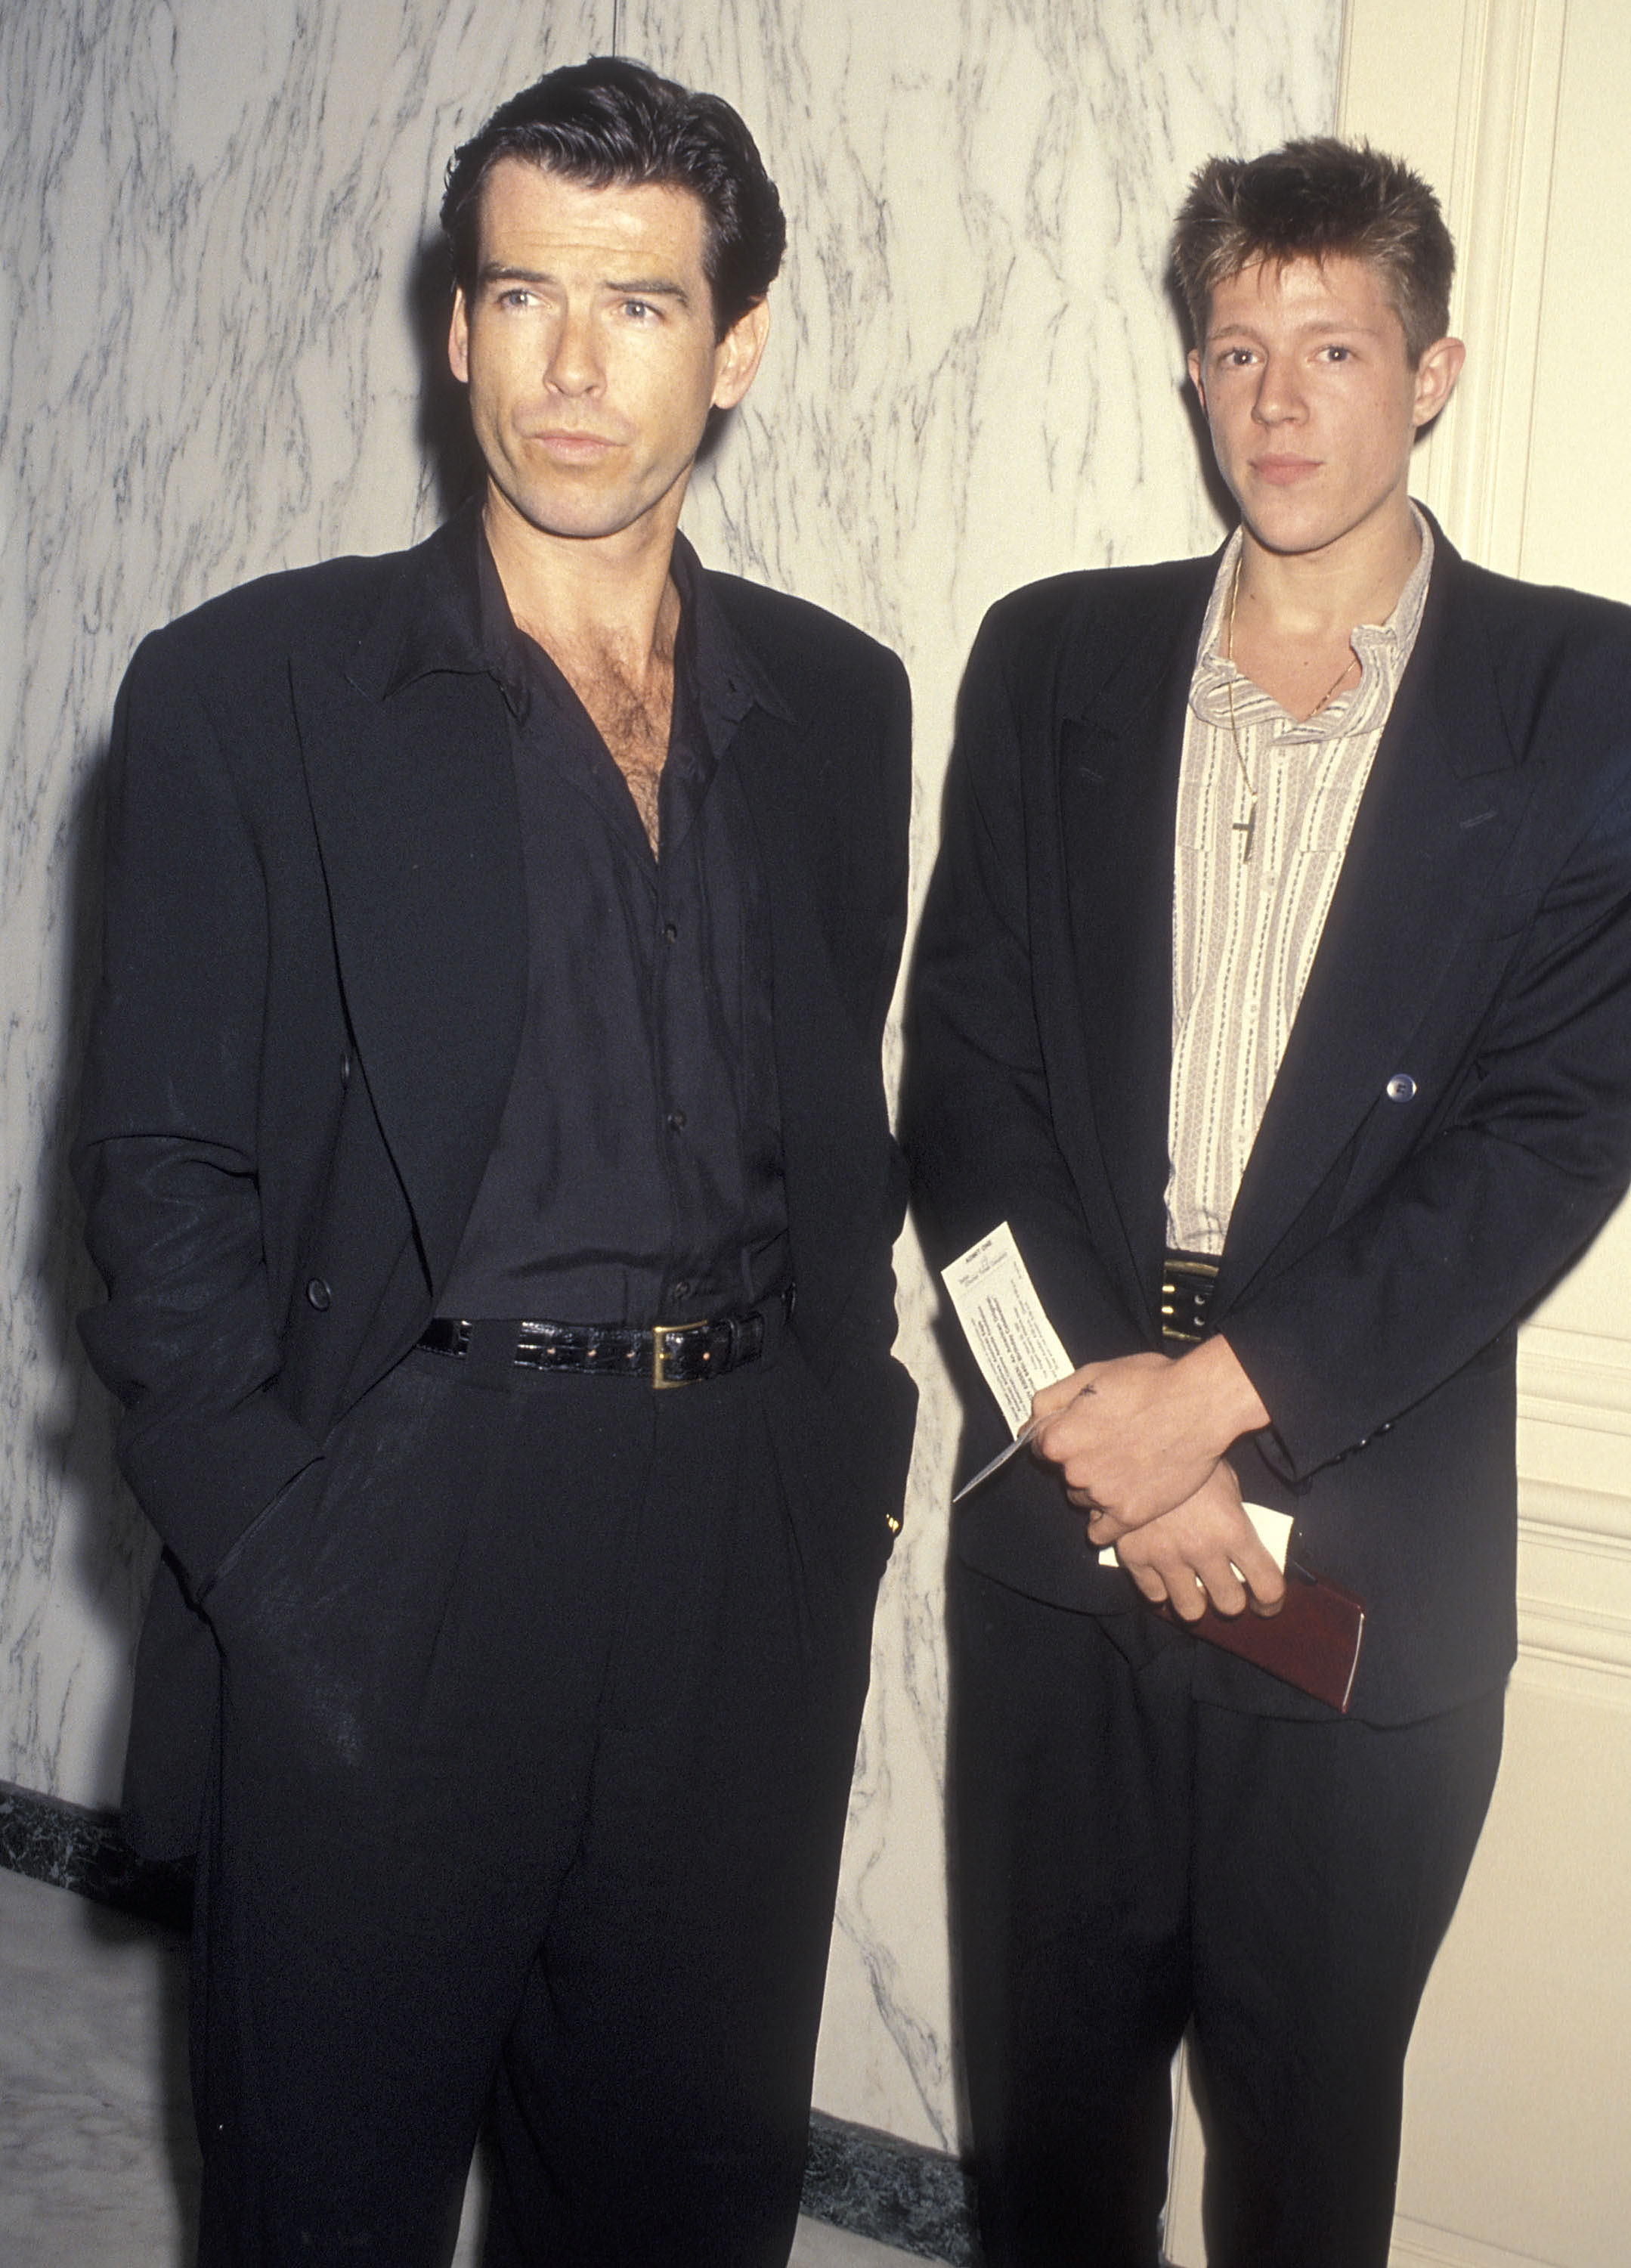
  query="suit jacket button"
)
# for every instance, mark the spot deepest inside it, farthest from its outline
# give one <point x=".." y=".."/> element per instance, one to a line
<point x="1400" y="1088"/>
<point x="318" y="1292"/>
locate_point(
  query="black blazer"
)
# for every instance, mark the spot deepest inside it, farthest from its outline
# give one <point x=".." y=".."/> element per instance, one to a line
<point x="314" y="984"/>
<point x="1387" y="1236"/>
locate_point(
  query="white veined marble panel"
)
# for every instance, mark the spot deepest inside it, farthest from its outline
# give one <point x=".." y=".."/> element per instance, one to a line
<point x="215" y="301"/>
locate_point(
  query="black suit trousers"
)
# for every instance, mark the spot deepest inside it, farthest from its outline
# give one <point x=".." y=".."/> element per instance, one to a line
<point x="1131" y="1863"/>
<point x="541" y="1697"/>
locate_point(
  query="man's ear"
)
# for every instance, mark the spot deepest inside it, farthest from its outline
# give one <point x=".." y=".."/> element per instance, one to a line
<point x="459" y="338"/>
<point x="1195" y="377"/>
<point x="738" y="355"/>
<point x="1436" y="373"/>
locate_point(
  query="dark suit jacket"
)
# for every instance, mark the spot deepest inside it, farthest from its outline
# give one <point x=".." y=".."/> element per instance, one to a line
<point x="1381" y="1249"/>
<point x="314" y="979"/>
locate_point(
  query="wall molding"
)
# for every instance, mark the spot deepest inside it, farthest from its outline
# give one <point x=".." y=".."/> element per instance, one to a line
<point x="1574" y="1377"/>
<point x="1498" y="197"/>
<point x="1574" y="1582"/>
<point x="1577" y="1638"/>
<point x="1488" y="149"/>
<point x="1573" y="1529"/>
<point x="1572" y="1516"/>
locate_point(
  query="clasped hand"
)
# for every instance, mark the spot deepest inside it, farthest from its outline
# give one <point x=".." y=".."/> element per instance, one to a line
<point x="1140" y="1445"/>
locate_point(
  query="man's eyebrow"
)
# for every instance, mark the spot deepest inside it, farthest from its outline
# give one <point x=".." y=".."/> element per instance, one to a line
<point x="497" y="271"/>
<point x="1343" y="323"/>
<point x="654" y="287"/>
<point x="1316" y="326"/>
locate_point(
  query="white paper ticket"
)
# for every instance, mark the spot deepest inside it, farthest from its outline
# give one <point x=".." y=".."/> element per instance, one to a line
<point x="1019" y="1351"/>
<point x="1005" y="1324"/>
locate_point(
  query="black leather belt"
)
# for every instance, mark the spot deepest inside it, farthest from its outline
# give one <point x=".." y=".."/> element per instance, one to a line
<point x="1188" y="1280"/>
<point x="665" y="1354"/>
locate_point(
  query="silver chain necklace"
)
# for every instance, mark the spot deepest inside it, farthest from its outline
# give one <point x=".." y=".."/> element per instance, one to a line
<point x="1247" y="826"/>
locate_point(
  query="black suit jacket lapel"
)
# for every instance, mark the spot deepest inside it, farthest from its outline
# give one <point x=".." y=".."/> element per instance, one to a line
<point x="1443" y="801"/>
<point x="413" y="799"/>
<point x="823" y="1075"/>
<point x="1121" y="742"/>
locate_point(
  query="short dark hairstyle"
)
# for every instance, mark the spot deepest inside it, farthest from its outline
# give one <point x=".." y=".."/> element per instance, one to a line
<point x="609" y="120"/>
<point x="1316" y="199"/>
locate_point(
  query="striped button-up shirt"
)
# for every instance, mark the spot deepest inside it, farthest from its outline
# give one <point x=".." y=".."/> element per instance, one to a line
<point x="1246" y="930"/>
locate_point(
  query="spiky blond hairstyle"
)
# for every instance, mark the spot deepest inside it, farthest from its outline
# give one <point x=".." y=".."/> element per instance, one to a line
<point x="1315" y="199"/>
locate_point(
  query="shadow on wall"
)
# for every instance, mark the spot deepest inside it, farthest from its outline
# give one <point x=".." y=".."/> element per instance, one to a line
<point x="98" y="1542"/>
<point x="1206" y="464"/>
<point x="451" y="465"/>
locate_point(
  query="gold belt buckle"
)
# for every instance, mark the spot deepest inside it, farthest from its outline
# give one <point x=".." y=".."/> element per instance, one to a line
<point x="660" y="1335"/>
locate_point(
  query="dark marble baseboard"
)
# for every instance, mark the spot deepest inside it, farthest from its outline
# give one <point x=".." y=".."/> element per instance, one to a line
<point x="83" y="1851"/>
<point x="858" y="2179"/>
<point x="876" y="2185"/>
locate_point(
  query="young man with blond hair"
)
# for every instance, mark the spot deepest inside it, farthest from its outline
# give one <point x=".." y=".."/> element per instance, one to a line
<point x="1273" y="987"/>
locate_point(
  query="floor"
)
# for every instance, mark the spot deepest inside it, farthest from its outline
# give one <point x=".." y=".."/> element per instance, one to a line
<point x="96" y="2141"/>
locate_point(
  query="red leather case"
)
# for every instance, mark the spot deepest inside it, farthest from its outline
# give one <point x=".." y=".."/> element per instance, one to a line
<point x="1313" y="1643"/>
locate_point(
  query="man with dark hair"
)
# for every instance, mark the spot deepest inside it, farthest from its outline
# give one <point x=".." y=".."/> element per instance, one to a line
<point x="1273" y="987"/>
<point x="610" y="121"/>
<point x="499" y="937"/>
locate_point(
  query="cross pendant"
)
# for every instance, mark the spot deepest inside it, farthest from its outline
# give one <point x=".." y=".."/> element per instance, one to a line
<point x="1248" y="828"/>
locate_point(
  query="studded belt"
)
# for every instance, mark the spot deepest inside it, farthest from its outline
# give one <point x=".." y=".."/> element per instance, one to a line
<point x="662" y="1354"/>
<point x="1188" y="1280"/>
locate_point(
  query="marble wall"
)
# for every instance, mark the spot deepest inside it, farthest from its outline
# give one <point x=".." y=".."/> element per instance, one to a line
<point x="217" y="357"/>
